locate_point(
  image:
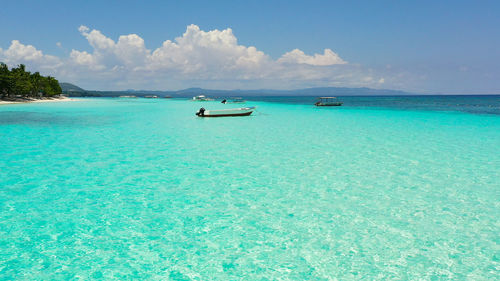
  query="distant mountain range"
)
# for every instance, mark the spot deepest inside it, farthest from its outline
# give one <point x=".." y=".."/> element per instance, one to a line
<point x="75" y="91"/>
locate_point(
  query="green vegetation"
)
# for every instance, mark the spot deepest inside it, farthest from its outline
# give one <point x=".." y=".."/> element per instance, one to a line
<point x="18" y="83"/>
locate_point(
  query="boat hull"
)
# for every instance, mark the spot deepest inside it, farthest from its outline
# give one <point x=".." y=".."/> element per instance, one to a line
<point x="329" y="104"/>
<point x="227" y="115"/>
<point x="244" y="111"/>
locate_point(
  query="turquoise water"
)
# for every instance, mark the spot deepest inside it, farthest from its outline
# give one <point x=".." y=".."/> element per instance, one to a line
<point x="143" y="189"/>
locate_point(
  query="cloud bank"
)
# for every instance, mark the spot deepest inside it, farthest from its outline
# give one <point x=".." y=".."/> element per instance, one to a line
<point x="197" y="58"/>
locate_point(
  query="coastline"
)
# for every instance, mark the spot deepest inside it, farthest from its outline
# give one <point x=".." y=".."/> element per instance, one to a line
<point x="20" y="101"/>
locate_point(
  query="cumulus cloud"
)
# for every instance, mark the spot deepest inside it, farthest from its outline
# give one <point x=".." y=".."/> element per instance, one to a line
<point x="19" y="53"/>
<point x="212" y="54"/>
<point x="197" y="58"/>
<point x="96" y="38"/>
<point x="129" y="51"/>
<point x="85" y="59"/>
<point x="298" y="56"/>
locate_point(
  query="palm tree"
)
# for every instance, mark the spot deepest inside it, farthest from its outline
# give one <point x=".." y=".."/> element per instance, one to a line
<point x="5" y="81"/>
<point x="36" y="84"/>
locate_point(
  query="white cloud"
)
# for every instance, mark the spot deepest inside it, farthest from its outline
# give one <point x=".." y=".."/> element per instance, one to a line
<point x="85" y="59"/>
<point x="130" y="50"/>
<point x="19" y="53"/>
<point x="298" y="56"/>
<point x="210" y="54"/>
<point x="197" y="58"/>
<point x="96" y="38"/>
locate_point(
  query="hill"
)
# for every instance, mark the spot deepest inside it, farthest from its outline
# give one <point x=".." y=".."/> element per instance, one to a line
<point x="73" y="90"/>
<point x="68" y="87"/>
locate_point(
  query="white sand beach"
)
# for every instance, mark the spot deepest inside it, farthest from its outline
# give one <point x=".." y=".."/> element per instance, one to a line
<point x="60" y="99"/>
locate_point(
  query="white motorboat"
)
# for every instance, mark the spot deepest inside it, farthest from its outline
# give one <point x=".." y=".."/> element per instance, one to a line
<point x="201" y="98"/>
<point x="242" y="111"/>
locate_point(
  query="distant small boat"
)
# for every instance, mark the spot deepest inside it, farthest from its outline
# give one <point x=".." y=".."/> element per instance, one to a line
<point x="243" y="111"/>
<point x="234" y="100"/>
<point x="127" y="97"/>
<point x="201" y="98"/>
<point x="328" y="101"/>
<point x="151" y="97"/>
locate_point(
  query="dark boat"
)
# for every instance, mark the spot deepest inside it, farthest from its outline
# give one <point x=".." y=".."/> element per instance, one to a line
<point x="328" y="101"/>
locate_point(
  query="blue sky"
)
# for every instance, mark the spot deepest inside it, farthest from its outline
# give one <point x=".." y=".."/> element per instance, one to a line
<point x="419" y="46"/>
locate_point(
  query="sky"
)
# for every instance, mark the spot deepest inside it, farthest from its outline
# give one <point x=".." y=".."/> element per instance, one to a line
<point x="450" y="47"/>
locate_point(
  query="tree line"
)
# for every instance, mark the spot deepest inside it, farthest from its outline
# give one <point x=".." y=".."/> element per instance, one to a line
<point x="19" y="83"/>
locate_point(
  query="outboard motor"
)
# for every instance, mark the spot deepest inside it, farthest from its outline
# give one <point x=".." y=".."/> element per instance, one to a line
<point x="201" y="112"/>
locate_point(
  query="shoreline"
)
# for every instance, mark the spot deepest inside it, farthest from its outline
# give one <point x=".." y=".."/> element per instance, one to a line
<point x="21" y="101"/>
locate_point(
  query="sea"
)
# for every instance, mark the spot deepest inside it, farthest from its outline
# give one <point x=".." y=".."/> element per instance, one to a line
<point x="381" y="188"/>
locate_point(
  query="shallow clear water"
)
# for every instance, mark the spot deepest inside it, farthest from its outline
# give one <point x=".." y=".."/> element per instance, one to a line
<point x="137" y="188"/>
